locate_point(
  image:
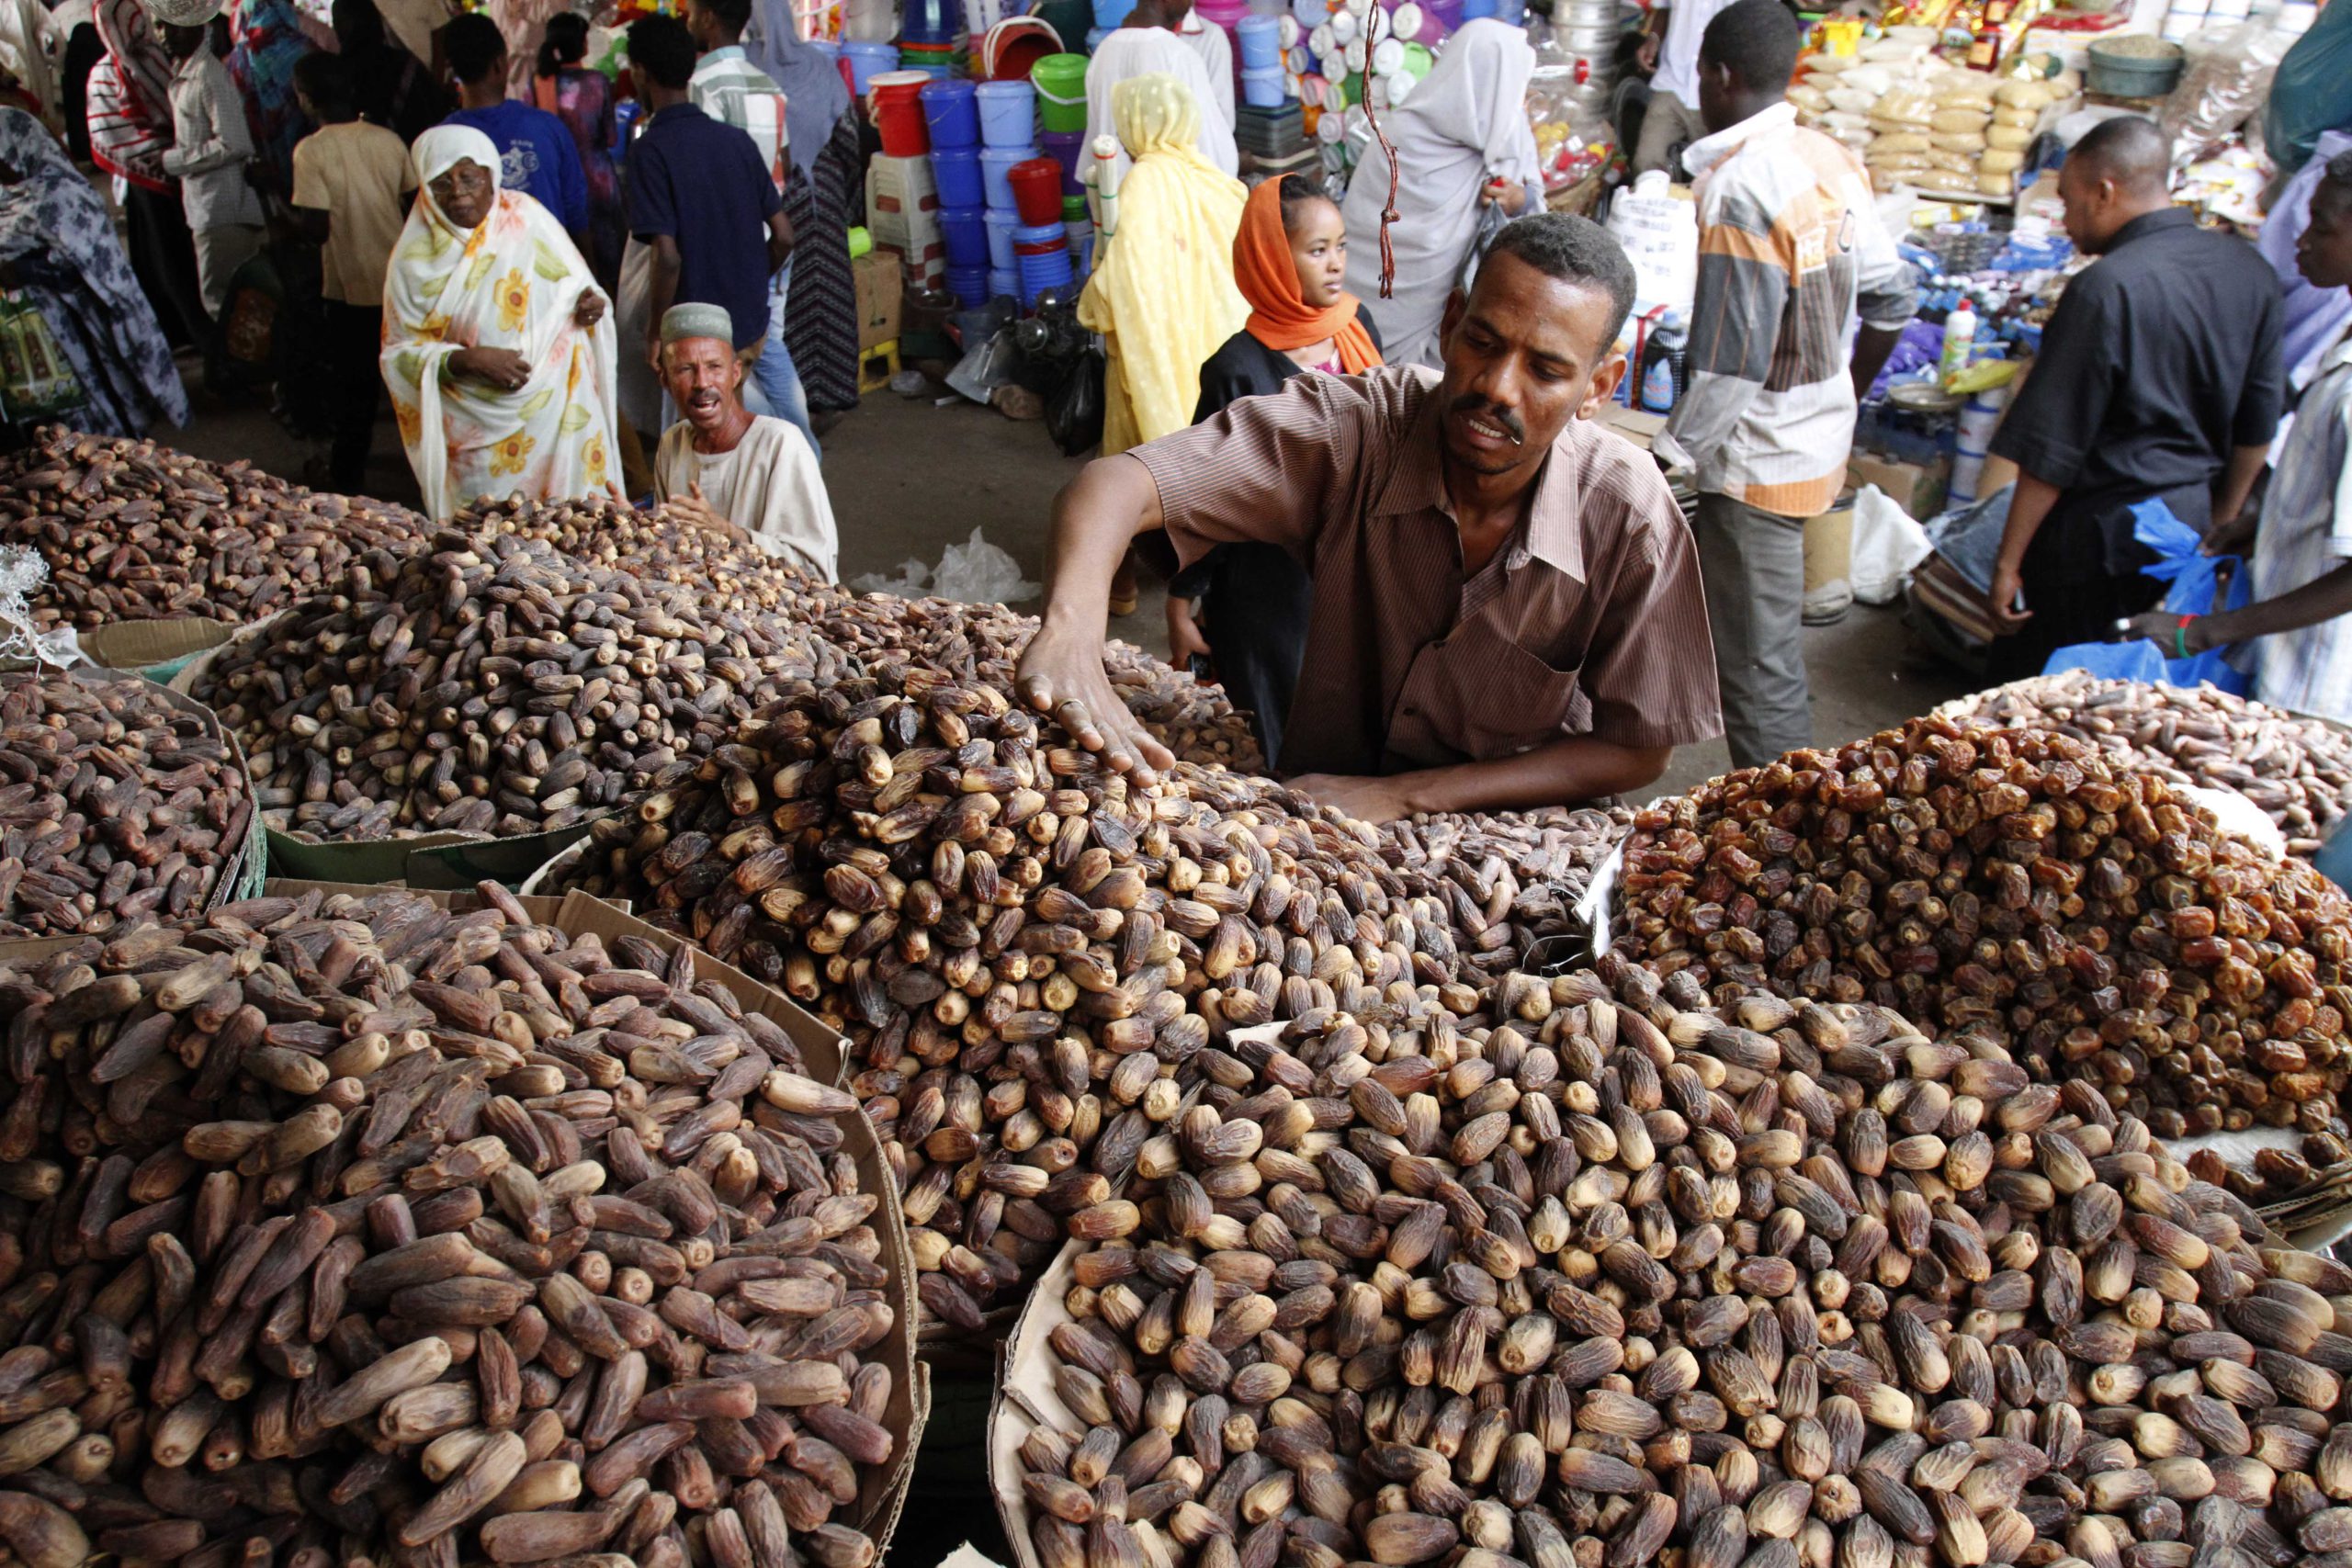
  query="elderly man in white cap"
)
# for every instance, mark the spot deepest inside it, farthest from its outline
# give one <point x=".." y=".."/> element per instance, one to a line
<point x="728" y="468"/>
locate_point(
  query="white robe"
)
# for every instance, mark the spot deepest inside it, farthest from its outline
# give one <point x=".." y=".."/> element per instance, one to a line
<point x="1142" y="51"/>
<point x="1208" y="40"/>
<point x="1465" y="124"/>
<point x="768" y="485"/>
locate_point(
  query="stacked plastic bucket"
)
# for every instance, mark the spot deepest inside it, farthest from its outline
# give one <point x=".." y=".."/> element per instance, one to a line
<point x="929" y="37"/>
<point x="951" y="113"/>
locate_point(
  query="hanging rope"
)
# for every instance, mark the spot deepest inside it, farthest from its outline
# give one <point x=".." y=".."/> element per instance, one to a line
<point x="1388" y="208"/>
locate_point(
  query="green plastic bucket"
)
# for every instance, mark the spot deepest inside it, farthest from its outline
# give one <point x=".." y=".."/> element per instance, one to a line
<point x="1060" y="81"/>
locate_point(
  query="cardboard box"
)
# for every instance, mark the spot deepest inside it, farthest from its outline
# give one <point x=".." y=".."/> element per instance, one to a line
<point x="153" y="648"/>
<point x="1636" y="426"/>
<point x="1919" y="490"/>
<point x="879" y="291"/>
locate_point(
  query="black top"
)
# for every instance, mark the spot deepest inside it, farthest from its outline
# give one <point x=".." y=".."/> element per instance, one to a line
<point x="2159" y="359"/>
<point x="1244" y="367"/>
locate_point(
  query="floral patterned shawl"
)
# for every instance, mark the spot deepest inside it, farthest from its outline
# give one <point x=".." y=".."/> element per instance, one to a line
<point x="512" y="282"/>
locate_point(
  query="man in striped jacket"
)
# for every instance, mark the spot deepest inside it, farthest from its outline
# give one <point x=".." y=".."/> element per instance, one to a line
<point x="1789" y="248"/>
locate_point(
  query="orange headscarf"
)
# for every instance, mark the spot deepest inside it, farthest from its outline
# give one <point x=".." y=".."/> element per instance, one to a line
<point x="1268" y="278"/>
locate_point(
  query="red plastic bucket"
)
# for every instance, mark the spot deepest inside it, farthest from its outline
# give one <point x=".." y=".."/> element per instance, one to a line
<point x="1038" y="189"/>
<point x="898" y="113"/>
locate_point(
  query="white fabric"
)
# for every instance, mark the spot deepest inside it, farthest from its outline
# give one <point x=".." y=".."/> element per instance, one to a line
<point x="1678" y="56"/>
<point x="1465" y="124"/>
<point x="2306" y="533"/>
<point x="1145" y="51"/>
<point x="28" y="46"/>
<point x="210" y="146"/>
<point x="1215" y="50"/>
<point x="768" y="485"/>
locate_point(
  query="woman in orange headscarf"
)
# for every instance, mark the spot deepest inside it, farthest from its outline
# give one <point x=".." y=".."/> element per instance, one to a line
<point x="1290" y="261"/>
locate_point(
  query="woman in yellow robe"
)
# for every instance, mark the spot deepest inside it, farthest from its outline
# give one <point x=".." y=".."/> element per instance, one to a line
<point x="1162" y="293"/>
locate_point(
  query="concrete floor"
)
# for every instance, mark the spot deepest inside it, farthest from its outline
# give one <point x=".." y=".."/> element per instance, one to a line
<point x="908" y="478"/>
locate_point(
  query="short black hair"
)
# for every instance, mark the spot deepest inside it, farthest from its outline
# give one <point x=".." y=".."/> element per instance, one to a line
<point x="733" y="15"/>
<point x="663" y="46"/>
<point x="475" y="46"/>
<point x="326" y="80"/>
<point x="1572" y="250"/>
<point x="2129" y="149"/>
<point x="1297" y="190"/>
<point x="1759" y="39"/>
<point x="2339" y="169"/>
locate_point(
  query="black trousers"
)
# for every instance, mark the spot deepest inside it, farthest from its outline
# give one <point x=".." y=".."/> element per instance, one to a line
<point x="1255" y="620"/>
<point x="2066" y="610"/>
<point x="355" y="338"/>
<point x="163" y="255"/>
<point x="82" y="52"/>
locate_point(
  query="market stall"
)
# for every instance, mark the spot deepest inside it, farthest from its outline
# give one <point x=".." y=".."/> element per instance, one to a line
<point x="1327" y="1197"/>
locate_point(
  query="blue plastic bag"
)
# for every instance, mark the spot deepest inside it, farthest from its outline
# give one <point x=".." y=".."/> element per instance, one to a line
<point x="2196" y="591"/>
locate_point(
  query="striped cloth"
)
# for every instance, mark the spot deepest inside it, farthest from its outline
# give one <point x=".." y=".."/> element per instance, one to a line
<point x="1588" y="621"/>
<point x="1789" y="246"/>
<point x="821" y="316"/>
<point x="2306" y="533"/>
<point x="726" y="86"/>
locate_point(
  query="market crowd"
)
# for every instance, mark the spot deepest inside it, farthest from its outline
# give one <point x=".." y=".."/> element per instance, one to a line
<point x="437" y="206"/>
<point x="1399" y="535"/>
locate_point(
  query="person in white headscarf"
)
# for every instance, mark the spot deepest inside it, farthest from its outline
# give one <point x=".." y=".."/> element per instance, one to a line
<point x="1150" y="45"/>
<point x="1462" y="145"/>
<point x="499" y="348"/>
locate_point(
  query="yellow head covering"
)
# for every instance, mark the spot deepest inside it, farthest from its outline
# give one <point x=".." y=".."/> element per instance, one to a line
<point x="1163" y="292"/>
<point x="1156" y="114"/>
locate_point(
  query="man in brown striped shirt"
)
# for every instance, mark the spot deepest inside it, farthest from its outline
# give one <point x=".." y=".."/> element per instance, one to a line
<point x="1507" y="609"/>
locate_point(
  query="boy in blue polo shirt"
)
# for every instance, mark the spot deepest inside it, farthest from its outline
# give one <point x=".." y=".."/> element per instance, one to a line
<point x="537" y="154"/>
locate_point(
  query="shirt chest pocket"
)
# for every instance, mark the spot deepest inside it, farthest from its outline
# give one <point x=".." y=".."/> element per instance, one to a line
<point x="1478" y="695"/>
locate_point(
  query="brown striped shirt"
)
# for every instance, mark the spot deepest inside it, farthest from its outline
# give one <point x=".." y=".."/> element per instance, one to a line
<point x="1588" y="621"/>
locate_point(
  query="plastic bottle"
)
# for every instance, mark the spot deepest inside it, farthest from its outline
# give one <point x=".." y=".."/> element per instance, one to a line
<point x="1662" y="366"/>
<point x="1960" y="332"/>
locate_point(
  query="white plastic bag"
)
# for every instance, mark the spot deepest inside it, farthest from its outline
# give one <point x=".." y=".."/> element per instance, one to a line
<point x="22" y="574"/>
<point x="1660" y="234"/>
<point x="1888" y="545"/>
<point x="974" y="573"/>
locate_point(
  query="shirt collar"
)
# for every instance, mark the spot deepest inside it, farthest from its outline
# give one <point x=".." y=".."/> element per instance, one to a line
<point x="2149" y="223"/>
<point x="1548" y="533"/>
<point x="191" y="65"/>
<point x="2336" y="356"/>
<point x="725" y="51"/>
<point x="1712" y="149"/>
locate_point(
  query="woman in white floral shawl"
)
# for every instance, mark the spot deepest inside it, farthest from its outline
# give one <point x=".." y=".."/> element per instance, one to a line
<point x="498" y="347"/>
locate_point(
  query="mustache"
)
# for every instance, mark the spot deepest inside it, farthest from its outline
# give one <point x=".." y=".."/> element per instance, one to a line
<point x="1472" y="403"/>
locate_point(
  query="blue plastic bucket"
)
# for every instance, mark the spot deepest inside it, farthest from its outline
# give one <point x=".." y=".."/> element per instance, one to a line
<point x="1008" y="113"/>
<point x="949" y="110"/>
<point x="965" y="230"/>
<point x="969" y="285"/>
<point x="1002" y="221"/>
<point x="867" y="60"/>
<point x="996" y="169"/>
<point x="1261" y="42"/>
<point x="1041" y="272"/>
<point x="1264" y="89"/>
<point x="1094" y="36"/>
<point x="1111" y="14"/>
<point x="956" y="171"/>
<point x="1004" y="281"/>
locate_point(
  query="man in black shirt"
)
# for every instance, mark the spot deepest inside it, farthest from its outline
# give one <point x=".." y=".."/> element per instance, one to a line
<point x="2158" y="377"/>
